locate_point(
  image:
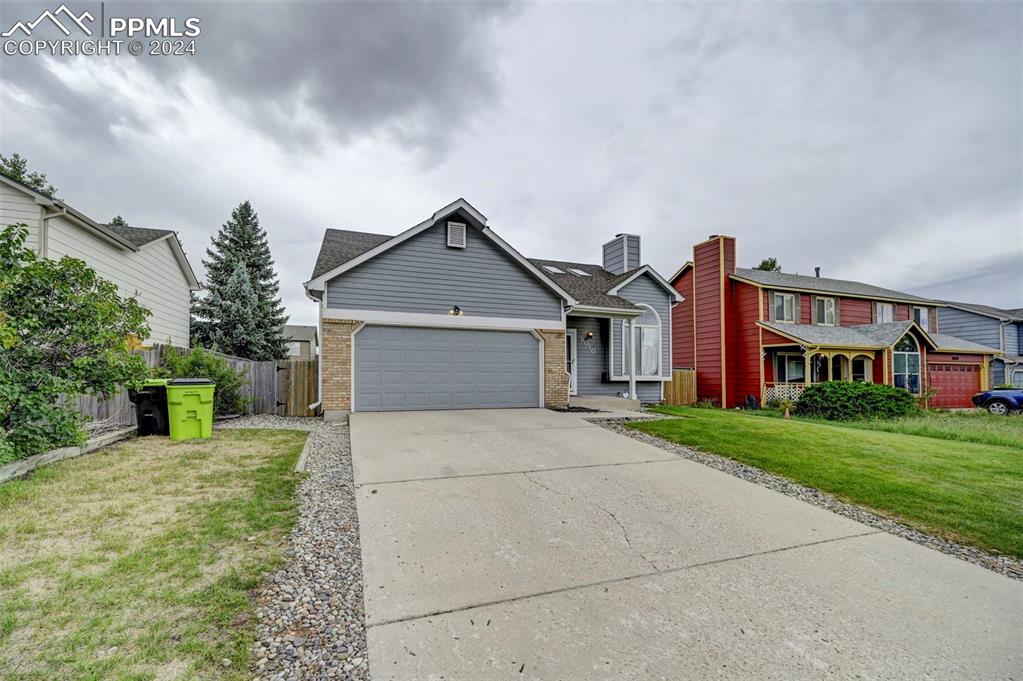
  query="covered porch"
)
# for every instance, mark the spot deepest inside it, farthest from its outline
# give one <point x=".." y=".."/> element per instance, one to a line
<point x="598" y="361"/>
<point x="788" y="369"/>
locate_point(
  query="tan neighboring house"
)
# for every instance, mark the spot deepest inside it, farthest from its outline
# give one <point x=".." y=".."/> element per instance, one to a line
<point x="302" y="341"/>
<point x="148" y="264"/>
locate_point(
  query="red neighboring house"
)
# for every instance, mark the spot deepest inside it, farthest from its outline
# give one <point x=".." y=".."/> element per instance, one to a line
<point x="767" y="334"/>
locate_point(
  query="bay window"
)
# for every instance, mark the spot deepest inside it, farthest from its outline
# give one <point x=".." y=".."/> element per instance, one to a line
<point x="648" y="345"/>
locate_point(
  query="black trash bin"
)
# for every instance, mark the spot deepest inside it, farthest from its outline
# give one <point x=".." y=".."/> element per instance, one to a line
<point x="151" y="407"/>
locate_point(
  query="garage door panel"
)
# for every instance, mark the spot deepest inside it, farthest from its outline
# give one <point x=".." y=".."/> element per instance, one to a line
<point x="407" y="368"/>
<point x="955" y="384"/>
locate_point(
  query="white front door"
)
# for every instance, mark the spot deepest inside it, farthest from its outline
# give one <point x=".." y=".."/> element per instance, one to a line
<point x="570" y="359"/>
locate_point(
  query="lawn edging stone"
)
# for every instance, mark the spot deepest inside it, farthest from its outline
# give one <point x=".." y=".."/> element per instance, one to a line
<point x="310" y="617"/>
<point x="22" y="467"/>
<point x="1003" y="565"/>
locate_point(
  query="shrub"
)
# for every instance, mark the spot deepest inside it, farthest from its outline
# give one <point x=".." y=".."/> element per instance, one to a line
<point x="63" y="332"/>
<point x="198" y="363"/>
<point x="844" y="400"/>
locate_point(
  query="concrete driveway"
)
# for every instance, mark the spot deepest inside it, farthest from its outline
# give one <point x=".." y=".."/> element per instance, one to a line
<point x="527" y="544"/>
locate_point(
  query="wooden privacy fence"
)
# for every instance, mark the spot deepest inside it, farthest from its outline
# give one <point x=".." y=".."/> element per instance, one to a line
<point x="297" y="386"/>
<point x="682" y="389"/>
<point x="272" y="387"/>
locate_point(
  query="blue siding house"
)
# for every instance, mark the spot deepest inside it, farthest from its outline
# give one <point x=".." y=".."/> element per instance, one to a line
<point x="448" y="315"/>
<point x="991" y="326"/>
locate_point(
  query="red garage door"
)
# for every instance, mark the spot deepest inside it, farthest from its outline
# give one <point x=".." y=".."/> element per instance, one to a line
<point x="955" y="383"/>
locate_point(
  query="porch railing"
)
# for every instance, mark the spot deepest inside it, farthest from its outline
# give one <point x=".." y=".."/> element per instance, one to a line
<point x="784" y="392"/>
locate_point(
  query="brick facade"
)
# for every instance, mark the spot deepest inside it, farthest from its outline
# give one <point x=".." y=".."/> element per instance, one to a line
<point x="336" y="360"/>
<point x="555" y="378"/>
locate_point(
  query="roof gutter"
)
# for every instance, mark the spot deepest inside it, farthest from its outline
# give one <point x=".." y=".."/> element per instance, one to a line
<point x="594" y="311"/>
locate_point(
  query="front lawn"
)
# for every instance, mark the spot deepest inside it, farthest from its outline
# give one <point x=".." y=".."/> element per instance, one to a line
<point x="966" y="491"/>
<point x="964" y="426"/>
<point x="137" y="562"/>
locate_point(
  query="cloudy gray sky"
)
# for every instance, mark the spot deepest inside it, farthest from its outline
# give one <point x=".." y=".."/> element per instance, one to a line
<point x="881" y="142"/>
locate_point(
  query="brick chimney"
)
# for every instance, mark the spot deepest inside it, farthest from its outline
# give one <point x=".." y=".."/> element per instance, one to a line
<point x="621" y="254"/>
<point x="713" y="261"/>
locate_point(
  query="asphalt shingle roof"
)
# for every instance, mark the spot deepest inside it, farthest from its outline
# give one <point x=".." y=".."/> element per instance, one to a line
<point x="949" y="343"/>
<point x="591" y="290"/>
<point x="996" y="312"/>
<point x="869" y="336"/>
<point x="138" y="236"/>
<point x="298" y="332"/>
<point x="341" y="245"/>
<point x="824" y="285"/>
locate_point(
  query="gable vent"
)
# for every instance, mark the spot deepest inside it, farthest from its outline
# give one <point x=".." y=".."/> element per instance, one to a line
<point x="456" y="234"/>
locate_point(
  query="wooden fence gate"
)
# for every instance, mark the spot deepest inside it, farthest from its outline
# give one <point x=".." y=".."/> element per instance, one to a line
<point x="297" y="387"/>
<point x="682" y="389"/>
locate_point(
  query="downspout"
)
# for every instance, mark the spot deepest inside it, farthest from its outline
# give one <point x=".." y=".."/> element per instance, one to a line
<point x="632" y="359"/>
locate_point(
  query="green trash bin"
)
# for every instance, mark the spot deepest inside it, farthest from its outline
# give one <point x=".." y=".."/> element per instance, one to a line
<point x="190" y="408"/>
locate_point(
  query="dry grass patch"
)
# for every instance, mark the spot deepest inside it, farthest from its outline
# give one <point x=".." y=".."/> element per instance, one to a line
<point x="136" y="562"/>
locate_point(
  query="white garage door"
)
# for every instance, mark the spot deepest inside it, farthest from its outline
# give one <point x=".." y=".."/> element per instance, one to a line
<point x="407" y="368"/>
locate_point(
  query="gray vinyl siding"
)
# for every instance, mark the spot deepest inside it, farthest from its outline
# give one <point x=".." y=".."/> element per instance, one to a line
<point x="614" y="256"/>
<point x="424" y="275"/>
<point x="591" y="365"/>
<point x="633" y="255"/>
<point x="647" y="292"/>
<point x="1013" y="338"/>
<point x="971" y="327"/>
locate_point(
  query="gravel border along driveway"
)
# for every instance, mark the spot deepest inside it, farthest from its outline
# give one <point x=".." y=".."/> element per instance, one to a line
<point x="1004" y="565"/>
<point x="311" y="617"/>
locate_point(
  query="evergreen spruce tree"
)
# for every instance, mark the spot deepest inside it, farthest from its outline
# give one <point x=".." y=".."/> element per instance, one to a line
<point x="118" y="221"/>
<point x="241" y="241"/>
<point x="238" y="329"/>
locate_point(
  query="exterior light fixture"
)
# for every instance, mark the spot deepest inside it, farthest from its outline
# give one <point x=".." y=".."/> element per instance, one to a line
<point x="589" y="335"/>
<point x="455" y="311"/>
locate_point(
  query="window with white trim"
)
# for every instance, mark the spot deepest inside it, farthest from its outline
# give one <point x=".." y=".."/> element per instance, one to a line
<point x="294" y="348"/>
<point x="784" y="307"/>
<point x="884" y="312"/>
<point x="790" y="369"/>
<point x="825" y="311"/>
<point x="907" y="364"/>
<point x="456" y="234"/>
<point x="1017" y="378"/>
<point x="920" y="316"/>
<point x="648" y="343"/>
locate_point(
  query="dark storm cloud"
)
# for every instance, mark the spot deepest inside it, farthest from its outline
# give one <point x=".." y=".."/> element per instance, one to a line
<point x="301" y="71"/>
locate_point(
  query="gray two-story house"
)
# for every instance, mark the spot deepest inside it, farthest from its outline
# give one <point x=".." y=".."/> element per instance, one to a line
<point x="448" y="315"/>
<point x="994" y="327"/>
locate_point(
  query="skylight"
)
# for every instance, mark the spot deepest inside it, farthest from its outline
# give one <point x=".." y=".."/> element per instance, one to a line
<point x="578" y="272"/>
<point x="553" y="270"/>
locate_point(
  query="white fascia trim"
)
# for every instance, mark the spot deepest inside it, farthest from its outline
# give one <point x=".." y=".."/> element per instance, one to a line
<point x="440" y="320"/>
<point x="489" y="233"/>
<point x="646" y="269"/>
<point x="179" y="255"/>
<point x="319" y="282"/>
<point x="540" y="347"/>
<point x="593" y="311"/>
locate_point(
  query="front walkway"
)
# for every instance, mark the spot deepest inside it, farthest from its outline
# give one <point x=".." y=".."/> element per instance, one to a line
<point x="526" y="544"/>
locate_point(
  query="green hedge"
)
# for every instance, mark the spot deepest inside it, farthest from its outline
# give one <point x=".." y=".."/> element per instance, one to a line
<point x="844" y="400"/>
<point x="227" y="396"/>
